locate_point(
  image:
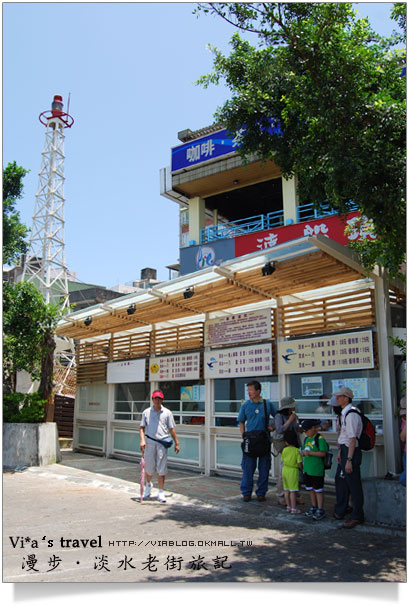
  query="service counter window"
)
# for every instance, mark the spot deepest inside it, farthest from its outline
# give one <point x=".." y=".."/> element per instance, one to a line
<point x="130" y="400"/>
<point x="313" y="391"/>
<point x="229" y="394"/>
<point x="186" y="400"/>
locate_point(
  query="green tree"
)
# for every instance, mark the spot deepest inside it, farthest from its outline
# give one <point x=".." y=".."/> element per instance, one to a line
<point x="14" y="232"/>
<point x="335" y="90"/>
<point x="28" y="329"/>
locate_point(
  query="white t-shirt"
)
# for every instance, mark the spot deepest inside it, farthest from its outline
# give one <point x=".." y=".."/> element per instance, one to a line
<point x="351" y="426"/>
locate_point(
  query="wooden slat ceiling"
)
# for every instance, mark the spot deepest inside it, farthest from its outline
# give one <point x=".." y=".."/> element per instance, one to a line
<point x="299" y="274"/>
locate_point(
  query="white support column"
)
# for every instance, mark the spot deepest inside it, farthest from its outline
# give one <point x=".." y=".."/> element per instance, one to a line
<point x="110" y="418"/>
<point x="387" y="373"/>
<point x="282" y="378"/>
<point x="208" y="414"/>
<point x="209" y="407"/>
<point x="196" y="218"/>
<point x="290" y="200"/>
<point x="282" y="383"/>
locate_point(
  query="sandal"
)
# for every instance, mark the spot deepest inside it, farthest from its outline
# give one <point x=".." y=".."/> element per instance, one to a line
<point x="295" y="511"/>
<point x="288" y="509"/>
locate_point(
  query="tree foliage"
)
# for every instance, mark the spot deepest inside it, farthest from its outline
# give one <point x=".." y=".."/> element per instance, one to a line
<point x="14" y="232"/>
<point x="335" y="90"/>
<point x="23" y="408"/>
<point x="28" y="327"/>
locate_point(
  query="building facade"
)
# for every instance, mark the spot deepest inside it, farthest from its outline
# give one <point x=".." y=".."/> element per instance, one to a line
<point x="268" y="289"/>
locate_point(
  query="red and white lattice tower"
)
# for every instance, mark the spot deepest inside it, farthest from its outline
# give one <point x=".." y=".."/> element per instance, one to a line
<point x="45" y="263"/>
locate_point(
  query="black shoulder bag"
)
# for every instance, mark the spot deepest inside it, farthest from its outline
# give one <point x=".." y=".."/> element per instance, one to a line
<point x="256" y="443"/>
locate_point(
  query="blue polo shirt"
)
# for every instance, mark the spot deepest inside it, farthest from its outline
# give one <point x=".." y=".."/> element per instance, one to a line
<point x="252" y="414"/>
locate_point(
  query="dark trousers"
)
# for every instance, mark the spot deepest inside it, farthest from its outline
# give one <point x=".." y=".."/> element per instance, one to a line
<point x="346" y="484"/>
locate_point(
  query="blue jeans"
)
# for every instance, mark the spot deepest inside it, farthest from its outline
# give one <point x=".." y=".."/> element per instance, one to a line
<point x="403" y="476"/>
<point x="248" y="465"/>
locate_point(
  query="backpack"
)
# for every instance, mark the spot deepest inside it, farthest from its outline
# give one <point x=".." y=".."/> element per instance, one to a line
<point x="366" y="441"/>
<point x="328" y="459"/>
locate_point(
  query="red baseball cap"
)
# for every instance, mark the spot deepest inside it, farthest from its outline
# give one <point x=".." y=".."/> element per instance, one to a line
<point x="157" y="394"/>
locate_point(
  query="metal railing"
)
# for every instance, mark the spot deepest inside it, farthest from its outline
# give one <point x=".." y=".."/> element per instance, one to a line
<point x="307" y="212"/>
<point x="242" y="227"/>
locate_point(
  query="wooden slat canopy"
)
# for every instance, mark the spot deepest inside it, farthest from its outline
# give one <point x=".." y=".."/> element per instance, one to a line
<point x="298" y="274"/>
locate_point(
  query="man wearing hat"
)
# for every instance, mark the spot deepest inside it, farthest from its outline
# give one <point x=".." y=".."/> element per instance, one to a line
<point x="285" y="420"/>
<point x="348" y="475"/>
<point x="156" y="424"/>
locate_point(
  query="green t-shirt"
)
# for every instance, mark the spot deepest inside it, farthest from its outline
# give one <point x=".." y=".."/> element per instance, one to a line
<point x="314" y="466"/>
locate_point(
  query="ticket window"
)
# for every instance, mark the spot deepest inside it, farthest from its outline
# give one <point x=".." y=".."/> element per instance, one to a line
<point x="229" y="394"/>
<point x="313" y="391"/>
<point x="130" y="399"/>
<point x="186" y="400"/>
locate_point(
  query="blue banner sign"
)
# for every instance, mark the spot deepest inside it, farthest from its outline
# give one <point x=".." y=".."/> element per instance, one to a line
<point x="211" y="147"/>
<point x="203" y="149"/>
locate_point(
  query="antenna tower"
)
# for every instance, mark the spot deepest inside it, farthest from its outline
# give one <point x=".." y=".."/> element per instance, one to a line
<point x="45" y="263"/>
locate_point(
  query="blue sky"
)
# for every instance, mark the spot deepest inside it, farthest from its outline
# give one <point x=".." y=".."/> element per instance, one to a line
<point x="130" y="69"/>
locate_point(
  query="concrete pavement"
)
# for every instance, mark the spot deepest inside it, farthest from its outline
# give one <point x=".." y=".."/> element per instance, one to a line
<point x="82" y="521"/>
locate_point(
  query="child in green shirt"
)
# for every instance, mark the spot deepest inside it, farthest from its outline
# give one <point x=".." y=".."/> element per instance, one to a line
<point x="313" y="452"/>
<point x="292" y="463"/>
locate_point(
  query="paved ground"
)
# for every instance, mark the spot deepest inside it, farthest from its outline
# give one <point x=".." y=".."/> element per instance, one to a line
<point x="82" y="521"/>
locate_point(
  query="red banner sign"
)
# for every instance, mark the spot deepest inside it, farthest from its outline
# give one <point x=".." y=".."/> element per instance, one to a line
<point x="332" y="227"/>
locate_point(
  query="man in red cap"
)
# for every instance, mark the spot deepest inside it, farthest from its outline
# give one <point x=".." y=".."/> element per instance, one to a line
<point x="157" y="422"/>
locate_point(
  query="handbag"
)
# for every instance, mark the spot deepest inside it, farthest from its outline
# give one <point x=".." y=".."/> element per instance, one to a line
<point x="167" y="442"/>
<point x="256" y="443"/>
<point x="328" y="460"/>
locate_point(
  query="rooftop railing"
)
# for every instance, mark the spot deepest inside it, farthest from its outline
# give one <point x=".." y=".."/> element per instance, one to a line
<point x="307" y="212"/>
<point x="242" y="227"/>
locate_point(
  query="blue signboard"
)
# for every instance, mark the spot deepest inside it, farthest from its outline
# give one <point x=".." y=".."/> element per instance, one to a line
<point x="211" y="146"/>
<point x="200" y="150"/>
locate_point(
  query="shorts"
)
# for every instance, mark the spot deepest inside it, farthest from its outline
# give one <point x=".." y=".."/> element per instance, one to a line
<point x="290" y="478"/>
<point x="155" y="457"/>
<point x="314" y="482"/>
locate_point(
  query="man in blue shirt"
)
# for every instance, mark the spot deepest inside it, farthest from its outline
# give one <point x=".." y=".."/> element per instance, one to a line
<point x="252" y="414"/>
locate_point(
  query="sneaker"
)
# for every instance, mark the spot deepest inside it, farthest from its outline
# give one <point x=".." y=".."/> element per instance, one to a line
<point x="311" y="511"/>
<point x="161" y="497"/>
<point x="319" y="514"/>
<point x="147" y="490"/>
